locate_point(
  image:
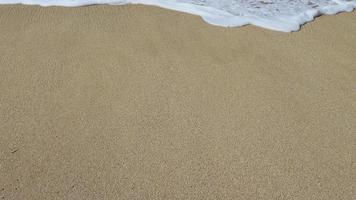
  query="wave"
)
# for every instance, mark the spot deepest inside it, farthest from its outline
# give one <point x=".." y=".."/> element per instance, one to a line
<point x="280" y="15"/>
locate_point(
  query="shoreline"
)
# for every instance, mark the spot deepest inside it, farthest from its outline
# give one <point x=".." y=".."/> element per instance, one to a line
<point x="140" y="102"/>
<point x="225" y="18"/>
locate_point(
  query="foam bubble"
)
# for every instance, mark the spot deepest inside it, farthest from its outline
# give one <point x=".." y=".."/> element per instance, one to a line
<point x="280" y="15"/>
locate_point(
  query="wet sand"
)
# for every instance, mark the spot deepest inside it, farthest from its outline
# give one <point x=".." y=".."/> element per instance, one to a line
<point x="138" y="102"/>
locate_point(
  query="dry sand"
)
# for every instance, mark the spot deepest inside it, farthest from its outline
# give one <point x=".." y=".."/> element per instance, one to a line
<point x="138" y="102"/>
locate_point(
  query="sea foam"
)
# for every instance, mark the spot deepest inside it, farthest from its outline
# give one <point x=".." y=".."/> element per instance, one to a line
<point x="280" y="15"/>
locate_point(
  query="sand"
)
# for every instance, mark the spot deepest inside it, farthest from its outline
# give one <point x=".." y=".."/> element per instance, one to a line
<point x="138" y="102"/>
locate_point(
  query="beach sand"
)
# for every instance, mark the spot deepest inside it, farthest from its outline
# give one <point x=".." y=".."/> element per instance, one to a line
<point x="139" y="102"/>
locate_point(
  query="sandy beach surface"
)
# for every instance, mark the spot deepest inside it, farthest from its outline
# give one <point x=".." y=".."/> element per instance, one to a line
<point x="138" y="102"/>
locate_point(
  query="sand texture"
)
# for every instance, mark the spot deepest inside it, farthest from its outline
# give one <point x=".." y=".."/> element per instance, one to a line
<point x="138" y="102"/>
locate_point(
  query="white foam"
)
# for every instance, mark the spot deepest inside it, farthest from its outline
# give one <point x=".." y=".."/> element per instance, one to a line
<point x="281" y="15"/>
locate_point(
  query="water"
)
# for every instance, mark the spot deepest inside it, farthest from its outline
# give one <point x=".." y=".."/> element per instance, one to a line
<point x="280" y="15"/>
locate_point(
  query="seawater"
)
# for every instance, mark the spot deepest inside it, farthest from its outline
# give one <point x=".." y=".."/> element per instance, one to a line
<point x="280" y="15"/>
